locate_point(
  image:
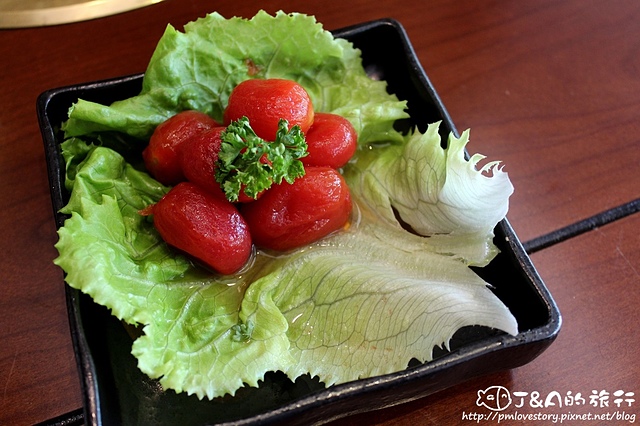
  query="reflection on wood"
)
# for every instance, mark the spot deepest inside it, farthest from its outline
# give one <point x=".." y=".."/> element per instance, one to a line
<point x="21" y="14"/>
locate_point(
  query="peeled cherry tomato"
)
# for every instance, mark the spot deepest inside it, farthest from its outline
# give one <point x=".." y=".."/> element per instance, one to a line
<point x="265" y="101"/>
<point x="331" y="141"/>
<point x="204" y="226"/>
<point x="161" y="155"/>
<point x="198" y="157"/>
<point x="293" y="215"/>
<point x="244" y="198"/>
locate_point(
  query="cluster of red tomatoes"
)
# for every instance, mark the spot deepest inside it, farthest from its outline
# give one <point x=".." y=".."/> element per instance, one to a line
<point x="195" y="215"/>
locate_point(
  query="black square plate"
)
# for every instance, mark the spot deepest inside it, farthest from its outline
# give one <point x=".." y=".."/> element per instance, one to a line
<point x="116" y="392"/>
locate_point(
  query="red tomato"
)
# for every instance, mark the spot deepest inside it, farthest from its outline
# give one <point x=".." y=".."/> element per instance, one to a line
<point x="331" y="141"/>
<point x="293" y="215"/>
<point x="161" y="155"/>
<point x="265" y="101"/>
<point x="198" y="157"/>
<point x="204" y="226"/>
<point x="244" y="198"/>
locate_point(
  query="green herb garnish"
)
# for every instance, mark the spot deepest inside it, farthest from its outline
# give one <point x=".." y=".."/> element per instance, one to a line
<point x="251" y="164"/>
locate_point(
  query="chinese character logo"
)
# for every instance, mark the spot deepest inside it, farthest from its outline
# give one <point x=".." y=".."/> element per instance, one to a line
<point x="495" y="398"/>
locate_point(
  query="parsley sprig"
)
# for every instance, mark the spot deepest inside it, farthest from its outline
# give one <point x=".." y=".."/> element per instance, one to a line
<point x="251" y="164"/>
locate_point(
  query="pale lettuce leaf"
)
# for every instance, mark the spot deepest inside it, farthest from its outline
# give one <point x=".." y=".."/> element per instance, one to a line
<point x="436" y="192"/>
<point x="367" y="301"/>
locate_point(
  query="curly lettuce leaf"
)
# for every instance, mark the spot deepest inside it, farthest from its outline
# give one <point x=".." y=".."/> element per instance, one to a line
<point x="105" y="244"/>
<point x="198" y="69"/>
<point x="436" y="192"/>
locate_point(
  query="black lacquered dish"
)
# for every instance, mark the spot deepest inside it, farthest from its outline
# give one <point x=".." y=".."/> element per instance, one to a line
<point x="116" y="392"/>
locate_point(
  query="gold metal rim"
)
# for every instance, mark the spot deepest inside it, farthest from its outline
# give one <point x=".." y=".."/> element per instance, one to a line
<point x="68" y="13"/>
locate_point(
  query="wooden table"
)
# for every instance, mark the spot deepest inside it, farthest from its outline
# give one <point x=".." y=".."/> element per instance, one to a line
<point x="550" y="87"/>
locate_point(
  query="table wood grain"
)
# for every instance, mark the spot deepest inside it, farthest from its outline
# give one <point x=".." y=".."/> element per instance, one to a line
<point x="551" y="88"/>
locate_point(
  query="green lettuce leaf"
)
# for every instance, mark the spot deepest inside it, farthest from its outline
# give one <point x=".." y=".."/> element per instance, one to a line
<point x="361" y="302"/>
<point x="198" y="69"/>
<point x="115" y="255"/>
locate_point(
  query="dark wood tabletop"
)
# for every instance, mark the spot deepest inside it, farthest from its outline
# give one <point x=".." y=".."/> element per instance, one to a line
<point x="550" y="87"/>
